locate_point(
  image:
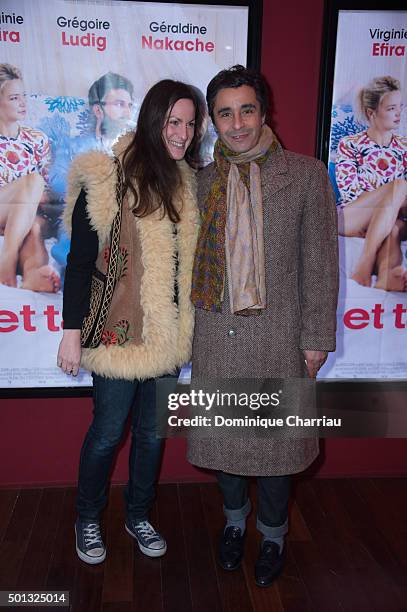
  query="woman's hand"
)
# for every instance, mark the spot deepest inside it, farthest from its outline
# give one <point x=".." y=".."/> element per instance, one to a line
<point x="69" y="352"/>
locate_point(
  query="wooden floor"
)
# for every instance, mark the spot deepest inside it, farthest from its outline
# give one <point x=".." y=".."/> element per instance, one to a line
<point x="347" y="550"/>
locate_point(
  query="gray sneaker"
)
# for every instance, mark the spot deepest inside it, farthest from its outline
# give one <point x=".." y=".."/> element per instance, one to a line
<point x="150" y="542"/>
<point x="89" y="544"/>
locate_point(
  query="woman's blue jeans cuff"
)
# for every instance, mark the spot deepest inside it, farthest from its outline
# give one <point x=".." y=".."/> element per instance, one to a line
<point x="239" y="514"/>
<point x="272" y="532"/>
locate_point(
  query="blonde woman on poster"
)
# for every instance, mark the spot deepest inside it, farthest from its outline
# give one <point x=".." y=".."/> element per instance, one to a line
<point x="371" y="173"/>
<point x="24" y="157"/>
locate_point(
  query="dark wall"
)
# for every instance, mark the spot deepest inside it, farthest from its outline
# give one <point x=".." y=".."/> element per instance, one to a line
<point x="40" y="439"/>
<point x="291" y="54"/>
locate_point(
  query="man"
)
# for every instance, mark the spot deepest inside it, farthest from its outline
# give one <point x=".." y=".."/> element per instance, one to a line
<point x="111" y="104"/>
<point x="265" y="287"/>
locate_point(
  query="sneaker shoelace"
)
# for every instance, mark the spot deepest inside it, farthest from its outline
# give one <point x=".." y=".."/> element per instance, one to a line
<point x="92" y="535"/>
<point x="147" y="531"/>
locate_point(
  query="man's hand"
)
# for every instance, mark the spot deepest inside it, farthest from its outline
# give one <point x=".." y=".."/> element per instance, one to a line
<point x="69" y="353"/>
<point x="314" y="360"/>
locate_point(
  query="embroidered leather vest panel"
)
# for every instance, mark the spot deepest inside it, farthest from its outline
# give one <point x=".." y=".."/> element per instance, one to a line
<point x="124" y="322"/>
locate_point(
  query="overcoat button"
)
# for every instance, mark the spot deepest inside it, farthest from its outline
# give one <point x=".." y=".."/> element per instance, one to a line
<point x="232" y="333"/>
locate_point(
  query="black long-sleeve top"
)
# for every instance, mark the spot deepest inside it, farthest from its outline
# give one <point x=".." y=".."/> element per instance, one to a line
<point x="80" y="265"/>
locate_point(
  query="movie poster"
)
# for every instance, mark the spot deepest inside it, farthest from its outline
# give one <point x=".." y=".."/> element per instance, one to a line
<point x="72" y="78"/>
<point x="368" y="169"/>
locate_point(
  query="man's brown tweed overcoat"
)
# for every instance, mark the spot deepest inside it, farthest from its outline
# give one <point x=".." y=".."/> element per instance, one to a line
<point x="300" y="238"/>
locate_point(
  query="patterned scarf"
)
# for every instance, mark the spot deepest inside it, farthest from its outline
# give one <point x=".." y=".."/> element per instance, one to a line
<point x="209" y="266"/>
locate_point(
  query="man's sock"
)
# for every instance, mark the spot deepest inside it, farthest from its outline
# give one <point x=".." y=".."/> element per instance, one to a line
<point x="241" y="524"/>
<point x="279" y="541"/>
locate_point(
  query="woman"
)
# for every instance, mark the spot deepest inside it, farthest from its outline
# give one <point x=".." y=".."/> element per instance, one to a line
<point x="24" y="157"/>
<point x="371" y="173"/>
<point x="146" y="334"/>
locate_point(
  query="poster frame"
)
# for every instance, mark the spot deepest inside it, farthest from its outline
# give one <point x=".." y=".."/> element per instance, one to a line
<point x="253" y="60"/>
<point x="326" y="87"/>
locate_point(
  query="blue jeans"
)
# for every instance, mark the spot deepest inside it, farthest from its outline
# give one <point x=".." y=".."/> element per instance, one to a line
<point x="273" y="494"/>
<point x="113" y="399"/>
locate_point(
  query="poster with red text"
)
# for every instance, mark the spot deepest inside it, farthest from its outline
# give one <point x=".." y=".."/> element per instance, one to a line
<point x="72" y="78"/>
<point x="368" y="169"/>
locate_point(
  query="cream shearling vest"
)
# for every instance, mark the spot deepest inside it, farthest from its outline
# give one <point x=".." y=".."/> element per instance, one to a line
<point x="146" y="334"/>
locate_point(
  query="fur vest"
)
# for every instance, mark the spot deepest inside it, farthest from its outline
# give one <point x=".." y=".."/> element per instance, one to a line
<point x="160" y="341"/>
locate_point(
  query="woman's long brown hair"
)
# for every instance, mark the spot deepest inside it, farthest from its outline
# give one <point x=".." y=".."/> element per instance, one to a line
<point x="146" y="162"/>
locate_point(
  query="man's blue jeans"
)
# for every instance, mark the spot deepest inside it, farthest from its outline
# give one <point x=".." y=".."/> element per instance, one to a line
<point x="113" y="399"/>
<point x="273" y="494"/>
